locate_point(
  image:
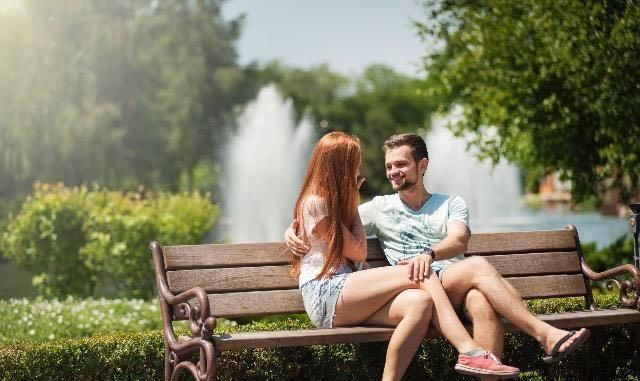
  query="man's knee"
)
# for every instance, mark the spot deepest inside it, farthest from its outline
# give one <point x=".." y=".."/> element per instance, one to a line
<point x="480" y="264"/>
<point x="480" y="270"/>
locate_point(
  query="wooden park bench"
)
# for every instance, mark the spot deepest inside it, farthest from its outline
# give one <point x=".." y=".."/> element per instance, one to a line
<point x="200" y="283"/>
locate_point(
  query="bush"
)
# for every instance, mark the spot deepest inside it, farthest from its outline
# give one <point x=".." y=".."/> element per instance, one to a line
<point x="139" y="356"/>
<point x="85" y="242"/>
<point x="616" y="254"/>
<point x="118" y="356"/>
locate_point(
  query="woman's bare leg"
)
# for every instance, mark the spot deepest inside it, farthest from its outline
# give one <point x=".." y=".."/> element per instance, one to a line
<point x="365" y="292"/>
<point x="445" y="318"/>
<point x="410" y="312"/>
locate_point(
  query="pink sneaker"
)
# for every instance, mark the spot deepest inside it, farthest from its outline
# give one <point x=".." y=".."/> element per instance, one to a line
<point x="486" y="364"/>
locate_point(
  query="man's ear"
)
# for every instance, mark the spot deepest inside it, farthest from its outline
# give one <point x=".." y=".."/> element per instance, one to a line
<point x="423" y="164"/>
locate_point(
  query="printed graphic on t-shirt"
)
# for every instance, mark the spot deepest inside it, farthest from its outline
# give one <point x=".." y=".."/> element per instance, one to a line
<point x="414" y="233"/>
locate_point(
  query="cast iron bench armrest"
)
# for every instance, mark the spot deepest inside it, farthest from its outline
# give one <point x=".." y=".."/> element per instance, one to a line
<point x="626" y="287"/>
<point x="203" y="325"/>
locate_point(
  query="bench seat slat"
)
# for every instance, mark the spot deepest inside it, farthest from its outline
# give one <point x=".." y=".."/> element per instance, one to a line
<point x="277" y="277"/>
<point x="179" y="257"/>
<point x="536" y="263"/>
<point x="549" y="286"/>
<point x="373" y="334"/>
<point x="249" y="304"/>
<point x="225" y="255"/>
<point x="521" y="242"/>
<point x="233" y="279"/>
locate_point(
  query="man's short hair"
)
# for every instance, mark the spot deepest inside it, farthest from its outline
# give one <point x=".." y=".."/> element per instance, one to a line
<point x="414" y="141"/>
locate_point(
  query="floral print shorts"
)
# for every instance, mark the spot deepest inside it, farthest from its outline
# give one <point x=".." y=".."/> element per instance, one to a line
<point x="320" y="297"/>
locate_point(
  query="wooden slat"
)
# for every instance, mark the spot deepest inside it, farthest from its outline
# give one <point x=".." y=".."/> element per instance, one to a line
<point x="232" y="279"/>
<point x="536" y="263"/>
<point x="225" y="255"/>
<point x="374" y="250"/>
<point x="256" y="303"/>
<point x="521" y="242"/>
<point x="549" y="286"/>
<point x="237" y="279"/>
<point x="239" y="254"/>
<point x="374" y="334"/>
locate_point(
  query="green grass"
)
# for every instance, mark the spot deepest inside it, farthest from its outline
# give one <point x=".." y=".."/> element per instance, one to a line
<point x="48" y="320"/>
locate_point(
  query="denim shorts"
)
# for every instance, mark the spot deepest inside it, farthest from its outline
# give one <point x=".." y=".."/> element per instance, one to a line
<point x="320" y="297"/>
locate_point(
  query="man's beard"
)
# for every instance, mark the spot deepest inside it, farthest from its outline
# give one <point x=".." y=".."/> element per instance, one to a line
<point x="404" y="186"/>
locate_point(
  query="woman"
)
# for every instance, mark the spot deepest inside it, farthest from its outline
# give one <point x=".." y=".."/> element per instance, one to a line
<point x="336" y="296"/>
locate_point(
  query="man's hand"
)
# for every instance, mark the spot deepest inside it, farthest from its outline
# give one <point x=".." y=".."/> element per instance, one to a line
<point x="298" y="246"/>
<point x="418" y="267"/>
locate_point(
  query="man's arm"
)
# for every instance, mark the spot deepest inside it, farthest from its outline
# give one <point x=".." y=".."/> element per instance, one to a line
<point x="297" y="245"/>
<point x="454" y="243"/>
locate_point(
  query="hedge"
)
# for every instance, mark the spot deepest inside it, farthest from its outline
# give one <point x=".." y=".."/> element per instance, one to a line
<point x="94" y="242"/>
<point x="139" y="356"/>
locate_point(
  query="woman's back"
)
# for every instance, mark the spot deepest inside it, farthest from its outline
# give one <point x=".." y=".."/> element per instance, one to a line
<point x="314" y="210"/>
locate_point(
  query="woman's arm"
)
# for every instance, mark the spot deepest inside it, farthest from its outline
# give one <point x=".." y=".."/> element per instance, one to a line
<point x="355" y="241"/>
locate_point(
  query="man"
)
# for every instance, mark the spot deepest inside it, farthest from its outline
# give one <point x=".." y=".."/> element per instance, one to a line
<point x="430" y="232"/>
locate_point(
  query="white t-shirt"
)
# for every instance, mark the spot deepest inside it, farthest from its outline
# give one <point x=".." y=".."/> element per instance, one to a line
<point x="314" y="209"/>
<point x="404" y="233"/>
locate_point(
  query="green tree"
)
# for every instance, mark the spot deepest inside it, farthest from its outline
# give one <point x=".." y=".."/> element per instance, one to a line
<point x="119" y="92"/>
<point x="317" y="91"/>
<point x="384" y="103"/>
<point x="376" y="104"/>
<point x="549" y="85"/>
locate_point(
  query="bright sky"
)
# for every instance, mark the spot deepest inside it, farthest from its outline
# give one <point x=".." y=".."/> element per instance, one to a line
<point x="347" y="34"/>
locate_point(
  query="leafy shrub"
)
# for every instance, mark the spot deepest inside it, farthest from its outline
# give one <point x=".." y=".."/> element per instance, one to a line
<point x="117" y="356"/>
<point x="616" y="254"/>
<point x="85" y="242"/>
<point x="139" y="356"/>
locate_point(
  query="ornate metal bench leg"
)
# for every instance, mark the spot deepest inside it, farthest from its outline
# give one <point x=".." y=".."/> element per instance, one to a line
<point x="168" y="368"/>
<point x="207" y="363"/>
<point x="635" y="341"/>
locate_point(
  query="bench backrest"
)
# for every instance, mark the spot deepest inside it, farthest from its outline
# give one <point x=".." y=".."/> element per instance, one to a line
<point x="244" y="280"/>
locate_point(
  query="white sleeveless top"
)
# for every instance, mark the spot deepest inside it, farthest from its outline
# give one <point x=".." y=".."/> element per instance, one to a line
<point x="314" y="209"/>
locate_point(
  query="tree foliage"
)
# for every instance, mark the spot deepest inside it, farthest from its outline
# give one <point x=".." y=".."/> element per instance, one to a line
<point x="550" y="85"/>
<point x="373" y="106"/>
<point x="119" y="92"/>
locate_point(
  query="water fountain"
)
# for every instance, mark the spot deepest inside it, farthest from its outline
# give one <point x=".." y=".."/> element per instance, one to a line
<point x="493" y="194"/>
<point x="266" y="160"/>
<point x="267" y="157"/>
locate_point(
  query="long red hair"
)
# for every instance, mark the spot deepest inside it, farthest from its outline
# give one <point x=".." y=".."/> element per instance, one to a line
<point x="331" y="175"/>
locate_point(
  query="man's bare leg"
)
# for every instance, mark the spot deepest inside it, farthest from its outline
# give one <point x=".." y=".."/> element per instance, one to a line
<point x="488" y="331"/>
<point x="477" y="273"/>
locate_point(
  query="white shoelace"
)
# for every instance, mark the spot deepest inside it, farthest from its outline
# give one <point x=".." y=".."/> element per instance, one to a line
<point x="488" y="354"/>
